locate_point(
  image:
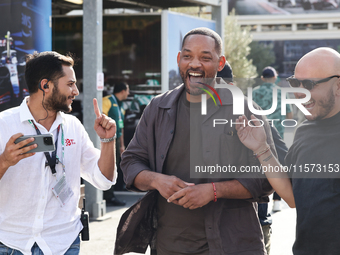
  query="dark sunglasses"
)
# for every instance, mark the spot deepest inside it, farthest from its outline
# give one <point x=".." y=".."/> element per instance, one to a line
<point x="307" y="84"/>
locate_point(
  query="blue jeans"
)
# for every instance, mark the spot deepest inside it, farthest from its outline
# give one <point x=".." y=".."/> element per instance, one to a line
<point x="73" y="250"/>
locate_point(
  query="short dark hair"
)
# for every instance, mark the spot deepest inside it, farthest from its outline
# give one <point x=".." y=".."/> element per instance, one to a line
<point x="120" y="86"/>
<point x="207" y="32"/>
<point x="45" y="65"/>
<point x="269" y="72"/>
<point x="226" y="73"/>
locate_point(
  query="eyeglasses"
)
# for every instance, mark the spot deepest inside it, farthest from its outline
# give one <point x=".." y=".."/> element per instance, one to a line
<point x="307" y="84"/>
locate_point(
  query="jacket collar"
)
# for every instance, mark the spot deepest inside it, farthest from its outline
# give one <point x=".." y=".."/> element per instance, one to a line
<point x="171" y="97"/>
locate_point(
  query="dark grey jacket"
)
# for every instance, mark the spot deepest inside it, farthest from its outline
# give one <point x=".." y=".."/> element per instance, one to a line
<point x="232" y="225"/>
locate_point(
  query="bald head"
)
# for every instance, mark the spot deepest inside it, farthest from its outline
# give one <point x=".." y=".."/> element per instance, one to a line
<point x="319" y="63"/>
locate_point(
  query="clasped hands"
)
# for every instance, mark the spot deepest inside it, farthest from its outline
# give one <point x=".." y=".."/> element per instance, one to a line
<point x="185" y="194"/>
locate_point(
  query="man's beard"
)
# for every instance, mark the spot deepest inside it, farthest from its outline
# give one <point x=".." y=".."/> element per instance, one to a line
<point x="326" y="105"/>
<point x="58" y="102"/>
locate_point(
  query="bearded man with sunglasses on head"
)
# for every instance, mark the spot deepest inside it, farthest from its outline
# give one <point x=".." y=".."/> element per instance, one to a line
<point x="314" y="187"/>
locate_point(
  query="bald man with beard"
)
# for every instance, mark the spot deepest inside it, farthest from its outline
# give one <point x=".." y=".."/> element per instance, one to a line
<point x="316" y="149"/>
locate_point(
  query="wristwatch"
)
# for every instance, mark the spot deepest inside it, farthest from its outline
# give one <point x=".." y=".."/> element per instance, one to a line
<point x="107" y="140"/>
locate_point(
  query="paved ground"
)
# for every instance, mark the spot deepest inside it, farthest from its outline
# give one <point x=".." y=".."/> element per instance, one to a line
<point x="102" y="233"/>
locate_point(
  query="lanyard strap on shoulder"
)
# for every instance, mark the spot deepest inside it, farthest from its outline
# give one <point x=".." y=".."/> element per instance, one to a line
<point x="50" y="160"/>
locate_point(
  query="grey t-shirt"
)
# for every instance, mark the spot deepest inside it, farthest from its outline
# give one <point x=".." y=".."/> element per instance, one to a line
<point x="181" y="230"/>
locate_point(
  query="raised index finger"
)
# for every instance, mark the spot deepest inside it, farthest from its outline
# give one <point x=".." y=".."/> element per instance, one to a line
<point x="96" y="108"/>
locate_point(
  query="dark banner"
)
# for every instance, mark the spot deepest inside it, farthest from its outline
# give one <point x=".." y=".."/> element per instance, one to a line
<point x="25" y="28"/>
<point x="131" y="46"/>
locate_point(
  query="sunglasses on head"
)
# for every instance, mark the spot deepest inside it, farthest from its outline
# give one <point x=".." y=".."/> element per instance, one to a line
<point x="307" y="84"/>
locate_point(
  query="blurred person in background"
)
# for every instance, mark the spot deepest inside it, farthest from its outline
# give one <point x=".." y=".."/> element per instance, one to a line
<point x="112" y="107"/>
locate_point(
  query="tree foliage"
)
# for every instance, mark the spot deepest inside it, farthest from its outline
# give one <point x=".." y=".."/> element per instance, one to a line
<point x="236" y="48"/>
<point x="262" y="55"/>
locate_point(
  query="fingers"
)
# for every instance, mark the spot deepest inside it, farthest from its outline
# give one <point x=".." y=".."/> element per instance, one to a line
<point x="169" y="185"/>
<point x="25" y="142"/>
<point x="186" y="198"/>
<point x="20" y="147"/>
<point x="189" y="183"/>
<point x="241" y="123"/>
<point x="26" y="149"/>
<point x="13" y="146"/>
<point x="25" y="153"/>
<point x="181" y="184"/>
<point x="177" y="195"/>
<point x="14" y="152"/>
<point x="255" y="120"/>
<point x="106" y="122"/>
<point x="96" y="108"/>
<point x="14" y="137"/>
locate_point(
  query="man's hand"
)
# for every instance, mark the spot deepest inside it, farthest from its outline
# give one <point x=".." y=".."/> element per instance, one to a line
<point x="104" y="126"/>
<point x="168" y="185"/>
<point x="253" y="137"/>
<point x="193" y="197"/>
<point x="13" y="153"/>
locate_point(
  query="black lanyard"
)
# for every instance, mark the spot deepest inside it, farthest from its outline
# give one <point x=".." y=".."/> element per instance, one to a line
<point x="51" y="161"/>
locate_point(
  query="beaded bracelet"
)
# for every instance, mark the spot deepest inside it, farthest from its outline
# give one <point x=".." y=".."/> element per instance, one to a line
<point x="215" y="195"/>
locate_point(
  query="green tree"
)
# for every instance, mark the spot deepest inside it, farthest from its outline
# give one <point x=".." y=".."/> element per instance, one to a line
<point x="236" y="49"/>
<point x="262" y="55"/>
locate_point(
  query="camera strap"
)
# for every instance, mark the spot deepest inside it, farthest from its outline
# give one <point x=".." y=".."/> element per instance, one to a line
<point x="51" y="161"/>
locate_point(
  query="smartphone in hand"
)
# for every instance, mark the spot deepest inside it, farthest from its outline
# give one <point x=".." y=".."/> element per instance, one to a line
<point x="45" y="142"/>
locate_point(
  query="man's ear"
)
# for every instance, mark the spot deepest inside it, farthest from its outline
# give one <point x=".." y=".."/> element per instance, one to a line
<point x="44" y="84"/>
<point x="178" y="57"/>
<point x="337" y="89"/>
<point x="221" y="63"/>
